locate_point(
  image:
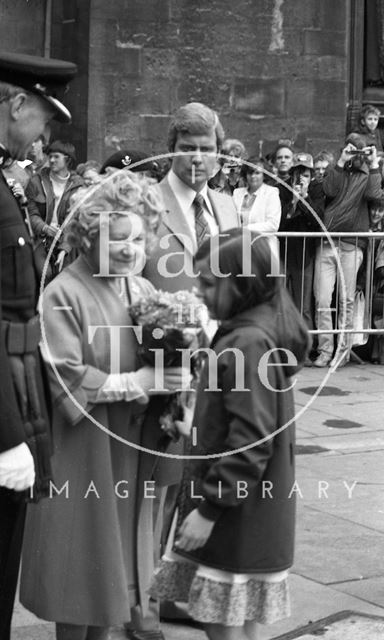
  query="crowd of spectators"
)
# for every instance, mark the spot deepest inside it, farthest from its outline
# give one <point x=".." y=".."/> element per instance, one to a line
<point x="288" y="191"/>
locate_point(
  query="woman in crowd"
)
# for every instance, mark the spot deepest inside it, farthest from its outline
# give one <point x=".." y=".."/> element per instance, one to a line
<point x="258" y="203"/>
<point x="307" y="207"/>
<point x="48" y="194"/>
<point x="90" y="172"/>
<point x="89" y="549"/>
<point x="230" y="550"/>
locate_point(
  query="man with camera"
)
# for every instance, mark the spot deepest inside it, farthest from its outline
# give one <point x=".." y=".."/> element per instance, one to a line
<point x="227" y="179"/>
<point x="348" y="187"/>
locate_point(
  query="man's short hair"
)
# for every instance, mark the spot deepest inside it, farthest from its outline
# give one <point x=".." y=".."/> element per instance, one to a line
<point x="195" y="119"/>
<point x="368" y="109"/>
<point x="8" y="91"/>
<point x="232" y="144"/>
<point x="357" y="139"/>
<point x="324" y="156"/>
<point x="281" y="145"/>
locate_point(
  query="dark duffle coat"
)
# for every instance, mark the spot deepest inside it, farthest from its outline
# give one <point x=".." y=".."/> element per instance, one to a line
<point x="89" y="551"/>
<point x="254" y="528"/>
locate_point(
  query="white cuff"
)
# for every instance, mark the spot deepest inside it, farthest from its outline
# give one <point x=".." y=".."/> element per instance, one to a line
<point x="121" y="387"/>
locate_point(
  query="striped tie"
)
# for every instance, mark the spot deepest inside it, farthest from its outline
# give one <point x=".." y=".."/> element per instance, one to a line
<point x="201" y="224"/>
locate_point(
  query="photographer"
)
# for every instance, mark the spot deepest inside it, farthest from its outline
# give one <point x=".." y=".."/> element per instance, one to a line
<point x="348" y="187"/>
<point x="228" y="178"/>
<point x="300" y="252"/>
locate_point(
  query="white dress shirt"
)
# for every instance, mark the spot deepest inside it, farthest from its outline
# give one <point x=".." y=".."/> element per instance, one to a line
<point x="185" y="197"/>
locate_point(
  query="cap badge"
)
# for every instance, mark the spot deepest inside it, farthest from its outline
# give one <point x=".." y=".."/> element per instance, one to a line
<point x="127" y="160"/>
<point x="40" y="87"/>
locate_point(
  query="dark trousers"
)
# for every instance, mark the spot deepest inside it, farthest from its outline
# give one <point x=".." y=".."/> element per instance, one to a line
<point x="300" y="285"/>
<point x="12" y="518"/>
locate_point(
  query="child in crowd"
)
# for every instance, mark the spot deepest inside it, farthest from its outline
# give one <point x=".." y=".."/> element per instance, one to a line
<point x="231" y="544"/>
<point x="368" y="122"/>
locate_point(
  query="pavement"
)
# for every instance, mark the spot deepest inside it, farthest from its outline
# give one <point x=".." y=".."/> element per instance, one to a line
<point x="337" y="581"/>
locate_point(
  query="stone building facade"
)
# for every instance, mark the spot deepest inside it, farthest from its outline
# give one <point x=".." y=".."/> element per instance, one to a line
<point x="273" y="69"/>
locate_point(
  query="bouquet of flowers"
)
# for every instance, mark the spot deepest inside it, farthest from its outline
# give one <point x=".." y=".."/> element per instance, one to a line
<point x="171" y="322"/>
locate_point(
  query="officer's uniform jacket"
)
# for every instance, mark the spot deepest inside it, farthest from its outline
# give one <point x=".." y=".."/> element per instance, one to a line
<point x="20" y="334"/>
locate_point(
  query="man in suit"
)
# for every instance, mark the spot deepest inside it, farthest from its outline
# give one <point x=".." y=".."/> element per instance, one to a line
<point x="193" y="211"/>
<point x="28" y="102"/>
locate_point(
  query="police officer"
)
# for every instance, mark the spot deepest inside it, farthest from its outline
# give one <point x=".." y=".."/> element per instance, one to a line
<point x="29" y="87"/>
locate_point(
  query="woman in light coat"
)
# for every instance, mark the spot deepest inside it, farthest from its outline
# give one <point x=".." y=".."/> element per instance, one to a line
<point x="89" y="547"/>
<point x="258" y="203"/>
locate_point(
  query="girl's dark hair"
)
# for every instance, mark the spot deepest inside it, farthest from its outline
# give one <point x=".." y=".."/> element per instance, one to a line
<point x="253" y="160"/>
<point x="376" y="203"/>
<point x="241" y="251"/>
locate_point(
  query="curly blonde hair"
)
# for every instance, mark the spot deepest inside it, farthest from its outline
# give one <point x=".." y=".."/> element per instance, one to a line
<point x="121" y="192"/>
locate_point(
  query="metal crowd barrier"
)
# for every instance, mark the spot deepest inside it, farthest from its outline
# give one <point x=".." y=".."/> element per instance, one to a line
<point x="373" y="242"/>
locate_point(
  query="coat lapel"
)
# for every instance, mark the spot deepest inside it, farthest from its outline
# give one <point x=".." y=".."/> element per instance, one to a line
<point x="174" y="218"/>
<point x="224" y="210"/>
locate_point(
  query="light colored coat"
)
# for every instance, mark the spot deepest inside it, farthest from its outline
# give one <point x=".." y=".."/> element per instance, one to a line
<point x="177" y="246"/>
<point x="89" y="551"/>
<point x="265" y="213"/>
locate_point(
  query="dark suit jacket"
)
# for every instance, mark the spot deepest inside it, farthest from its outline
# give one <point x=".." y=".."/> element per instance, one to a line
<point x="176" y="248"/>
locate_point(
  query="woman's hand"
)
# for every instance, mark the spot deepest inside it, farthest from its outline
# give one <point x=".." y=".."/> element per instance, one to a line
<point x="194" y="532"/>
<point x="184" y="426"/>
<point x="176" y="428"/>
<point x="170" y="380"/>
<point x="50" y="230"/>
<point x="60" y="259"/>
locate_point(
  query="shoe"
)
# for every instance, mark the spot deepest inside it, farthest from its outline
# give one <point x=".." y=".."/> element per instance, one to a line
<point x="322" y="360"/>
<point x="308" y="362"/>
<point x="150" y="634"/>
<point x="340" y="360"/>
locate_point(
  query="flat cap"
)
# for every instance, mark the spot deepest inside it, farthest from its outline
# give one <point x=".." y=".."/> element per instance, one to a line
<point x="45" y="77"/>
<point x="129" y="159"/>
<point x="302" y="160"/>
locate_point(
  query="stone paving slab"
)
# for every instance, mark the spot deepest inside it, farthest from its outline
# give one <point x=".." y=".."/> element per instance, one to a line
<point x="344" y="626"/>
<point x="368" y="414"/>
<point x="332" y="549"/>
<point x="348" y="442"/>
<point x="314" y="423"/>
<point x="34" y="632"/>
<point x="355" y="465"/>
<point x="365" y="508"/>
<point x="371" y="589"/>
<point x="349" y="495"/>
<point x="312" y="601"/>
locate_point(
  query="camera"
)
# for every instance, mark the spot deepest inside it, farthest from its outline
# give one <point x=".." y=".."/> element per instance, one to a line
<point x="360" y="152"/>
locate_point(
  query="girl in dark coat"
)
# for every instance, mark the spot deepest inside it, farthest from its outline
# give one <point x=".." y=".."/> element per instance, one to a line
<point x="232" y="538"/>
